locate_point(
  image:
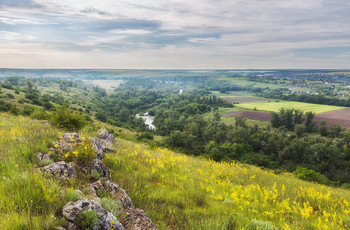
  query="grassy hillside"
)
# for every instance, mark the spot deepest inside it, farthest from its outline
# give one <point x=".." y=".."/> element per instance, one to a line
<point x="182" y="192"/>
<point x="28" y="200"/>
<point x="176" y="191"/>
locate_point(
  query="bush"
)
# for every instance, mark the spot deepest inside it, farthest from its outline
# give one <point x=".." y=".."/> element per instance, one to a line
<point x="83" y="155"/>
<point x="145" y="135"/>
<point x="310" y="175"/>
<point x="39" y="114"/>
<point x="87" y="220"/>
<point x="27" y="110"/>
<point x="67" y="119"/>
<point x="14" y="110"/>
<point x="9" y="95"/>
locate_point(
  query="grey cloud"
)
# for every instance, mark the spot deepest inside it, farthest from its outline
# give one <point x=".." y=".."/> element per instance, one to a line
<point x="222" y="28"/>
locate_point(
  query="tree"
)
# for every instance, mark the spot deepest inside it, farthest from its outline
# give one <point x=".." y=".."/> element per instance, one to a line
<point x="323" y="129"/>
<point x="240" y="121"/>
<point x="346" y="136"/>
<point x="299" y="130"/>
<point x="275" y="120"/>
<point x="309" y="124"/>
<point x="65" y="118"/>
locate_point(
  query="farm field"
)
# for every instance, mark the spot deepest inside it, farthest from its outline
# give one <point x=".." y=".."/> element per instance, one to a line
<point x="257" y="116"/>
<point x="243" y="99"/>
<point x="339" y="117"/>
<point x="276" y="106"/>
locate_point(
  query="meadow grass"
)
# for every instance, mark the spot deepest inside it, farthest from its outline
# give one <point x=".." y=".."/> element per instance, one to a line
<point x="183" y="192"/>
<point x="274" y="106"/>
<point x="28" y="198"/>
<point x="176" y="191"/>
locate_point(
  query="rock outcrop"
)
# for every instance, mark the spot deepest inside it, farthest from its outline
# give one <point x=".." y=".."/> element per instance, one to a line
<point x="136" y="219"/>
<point x="114" y="191"/>
<point x="100" y="168"/>
<point x="103" y="142"/>
<point x="74" y="211"/>
<point x="61" y="170"/>
<point x="42" y="156"/>
<point x="71" y="138"/>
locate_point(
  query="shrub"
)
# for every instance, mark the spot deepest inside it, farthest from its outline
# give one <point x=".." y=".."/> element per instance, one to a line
<point x="67" y="119"/>
<point x="39" y="114"/>
<point x="14" y="110"/>
<point x="27" y="110"/>
<point x="87" y="220"/>
<point x="145" y="135"/>
<point x="83" y="155"/>
<point x="310" y="175"/>
<point x="86" y="154"/>
<point x="72" y="194"/>
<point x="9" y="95"/>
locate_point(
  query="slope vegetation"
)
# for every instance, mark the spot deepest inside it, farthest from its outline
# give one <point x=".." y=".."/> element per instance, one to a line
<point x="176" y="191"/>
<point x="182" y="192"/>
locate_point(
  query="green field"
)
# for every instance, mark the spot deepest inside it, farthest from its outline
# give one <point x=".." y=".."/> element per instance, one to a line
<point x="276" y="106"/>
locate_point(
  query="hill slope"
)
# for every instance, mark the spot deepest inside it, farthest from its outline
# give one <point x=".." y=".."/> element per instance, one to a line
<point x="176" y="191"/>
<point x="182" y="192"/>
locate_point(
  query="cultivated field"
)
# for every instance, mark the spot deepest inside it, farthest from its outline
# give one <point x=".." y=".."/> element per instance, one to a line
<point x="276" y="106"/>
<point x="243" y="99"/>
<point x="257" y="116"/>
<point x="339" y="117"/>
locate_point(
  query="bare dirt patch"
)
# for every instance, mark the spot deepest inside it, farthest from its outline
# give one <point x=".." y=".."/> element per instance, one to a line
<point x="340" y="117"/>
<point x="243" y="99"/>
<point x="257" y="116"/>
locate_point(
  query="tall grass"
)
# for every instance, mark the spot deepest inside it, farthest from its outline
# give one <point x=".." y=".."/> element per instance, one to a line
<point x="28" y="199"/>
<point x="182" y="192"/>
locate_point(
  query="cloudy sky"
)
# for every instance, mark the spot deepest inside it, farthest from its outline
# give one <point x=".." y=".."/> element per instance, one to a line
<point x="199" y="34"/>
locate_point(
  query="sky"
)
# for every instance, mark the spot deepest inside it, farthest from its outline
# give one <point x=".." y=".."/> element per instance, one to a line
<point x="175" y="34"/>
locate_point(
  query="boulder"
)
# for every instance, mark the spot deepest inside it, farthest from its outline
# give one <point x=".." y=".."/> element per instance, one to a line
<point x="110" y="140"/>
<point x="101" y="145"/>
<point x="114" y="191"/>
<point x="136" y="219"/>
<point x="97" y="144"/>
<point x="71" y="137"/>
<point x="102" y="134"/>
<point x="100" y="168"/>
<point x="43" y="156"/>
<point x="61" y="170"/>
<point x="106" y="220"/>
<point x="62" y="147"/>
